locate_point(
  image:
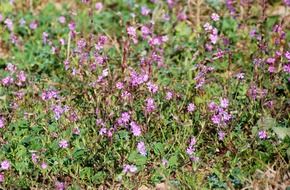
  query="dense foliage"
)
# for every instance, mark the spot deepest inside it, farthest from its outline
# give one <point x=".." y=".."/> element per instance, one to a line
<point x="126" y="94"/>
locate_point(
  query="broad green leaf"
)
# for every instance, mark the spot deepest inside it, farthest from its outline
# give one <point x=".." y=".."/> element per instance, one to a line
<point x="282" y="132"/>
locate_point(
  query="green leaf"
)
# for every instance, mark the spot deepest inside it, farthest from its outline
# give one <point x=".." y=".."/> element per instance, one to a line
<point x="266" y="122"/>
<point x="183" y="29"/>
<point x="99" y="177"/>
<point x="173" y="161"/>
<point x="282" y="132"/>
<point x="158" y="148"/>
<point x="137" y="159"/>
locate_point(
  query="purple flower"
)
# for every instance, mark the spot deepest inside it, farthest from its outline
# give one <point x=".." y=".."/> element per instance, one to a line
<point x="59" y="185"/>
<point x="7" y="81"/>
<point x="169" y="95"/>
<point x="181" y="16"/>
<point x="263" y="134"/>
<point x="2" y="122"/>
<point x="221" y="135"/>
<point x="99" y="6"/>
<point x="22" y="22"/>
<point x="34" y="158"/>
<point x="72" y="26"/>
<point x="207" y="27"/>
<point x="1" y="17"/>
<point x="2" y="178"/>
<point x="119" y="85"/>
<point x="103" y="131"/>
<point x="8" y="22"/>
<point x="164" y="162"/>
<point x="190" y="107"/>
<point x="240" y="76"/>
<point x="11" y="68"/>
<point x="44" y="37"/>
<point x="191" y="147"/>
<point x="145" y="11"/>
<point x="62" y="19"/>
<point x="49" y="94"/>
<point x="287" y="2"/>
<point x="286" y="68"/>
<point x="287" y="55"/>
<point x="5" y="165"/>
<point x="125" y="117"/>
<point x="215" y="17"/>
<point x="216" y="119"/>
<point x="213" y="38"/>
<point x="126" y="95"/>
<point x="21" y="78"/>
<point x="224" y="103"/>
<point x="150" y="105"/>
<point x="58" y="111"/>
<point x="33" y="25"/>
<point x="170" y="3"/>
<point x="271" y="69"/>
<point x="43" y="165"/>
<point x="76" y="131"/>
<point x="271" y="60"/>
<point x="129" y="168"/>
<point x="136" y="129"/>
<point x="152" y="87"/>
<point x="131" y="31"/>
<point x="63" y="143"/>
<point x="141" y="148"/>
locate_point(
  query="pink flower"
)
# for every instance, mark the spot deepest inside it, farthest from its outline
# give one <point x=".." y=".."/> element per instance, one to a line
<point x="131" y="31"/>
<point x="152" y="87"/>
<point x="2" y="122"/>
<point x="263" y="134"/>
<point x="76" y="131"/>
<point x="224" y="102"/>
<point x="240" y="76"/>
<point x="221" y="135"/>
<point x="136" y="129"/>
<point x="213" y="38"/>
<point x="72" y="26"/>
<point x="34" y="158"/>
<point x="145" y="11"/>
<point x="99" y="6"/>
<point x="43" y="165"/>
<point x="215" y="17"/>
<point x="190" y="107"/>
<point x="63" y="144"/>
<point x="286" y="68"/>
<point x="141" y="148"/>
<point x="2" y="177"/>
<point x="59" y="185"/>
<point x="62" y="19"/>
<point x="150" y="105"/>
<point x="191" y="147"/>
<point x="5" y="165"/>
<point x="207" y="26"/>
<point x="287" y="55"/>
<point x="7" y="81"/>
<point x="169" y="95"/>
<point x="33" y="25"/>
<point x="129" y="168"/>
<point x="181" y="16"/>
<point x="164" y="162"/>
<point x="271" y="69"/>
<point x="103" y="131"/>
<point x="8" y="22"/>
<point x="120" y="85"/>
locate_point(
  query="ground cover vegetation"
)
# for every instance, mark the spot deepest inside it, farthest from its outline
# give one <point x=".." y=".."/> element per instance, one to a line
<point x="160" y="94"/>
